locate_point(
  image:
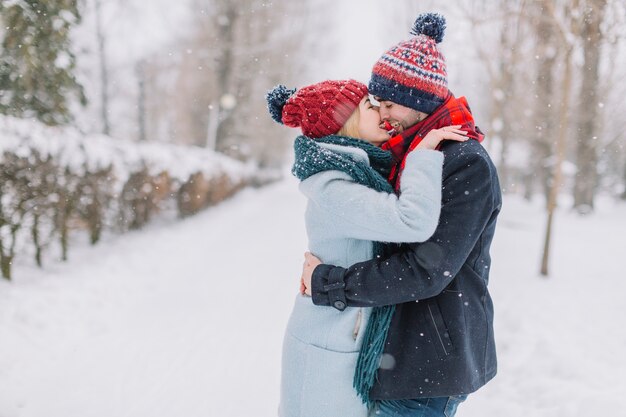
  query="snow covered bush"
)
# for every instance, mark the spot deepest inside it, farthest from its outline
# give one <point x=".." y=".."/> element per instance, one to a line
<point x="54" y="180"/>
<point x="142" y="197"/>
<point x="199" y="192"/>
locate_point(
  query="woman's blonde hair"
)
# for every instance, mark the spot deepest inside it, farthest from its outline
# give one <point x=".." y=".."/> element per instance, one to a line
<point x="351" y="126"/>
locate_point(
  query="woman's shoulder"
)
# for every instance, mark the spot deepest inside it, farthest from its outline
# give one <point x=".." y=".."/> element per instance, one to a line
<point x="327" y="189"/>
<point x="332" y="144"/>
<point x="357" y="154"/>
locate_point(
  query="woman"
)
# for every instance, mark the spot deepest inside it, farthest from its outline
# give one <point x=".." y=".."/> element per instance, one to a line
<point x="350" y="208"/>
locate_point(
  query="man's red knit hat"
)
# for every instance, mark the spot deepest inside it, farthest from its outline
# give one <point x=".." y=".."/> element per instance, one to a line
<point x="320" y="109"/>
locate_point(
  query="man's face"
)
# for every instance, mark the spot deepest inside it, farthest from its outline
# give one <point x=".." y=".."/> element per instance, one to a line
<point x="399" y="116"/>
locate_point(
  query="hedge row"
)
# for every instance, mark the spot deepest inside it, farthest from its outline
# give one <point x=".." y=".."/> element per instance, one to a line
<point x="49" y="190"/>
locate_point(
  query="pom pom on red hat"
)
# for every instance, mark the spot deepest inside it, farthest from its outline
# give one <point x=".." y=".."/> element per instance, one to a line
<point x="276" y="99"/>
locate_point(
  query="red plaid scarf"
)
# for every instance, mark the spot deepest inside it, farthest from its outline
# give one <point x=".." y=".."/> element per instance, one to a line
<point x="454" y="111"/>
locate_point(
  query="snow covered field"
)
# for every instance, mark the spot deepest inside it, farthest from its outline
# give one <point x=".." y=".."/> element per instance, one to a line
<point x="186" y="318"/>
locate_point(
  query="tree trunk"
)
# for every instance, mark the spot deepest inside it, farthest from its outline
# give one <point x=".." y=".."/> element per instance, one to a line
<point x="214" y="115"/>
<point x="227" y="25"/>
<point x="36" y="240"/>
<point x="62" y="217"/>
<point x="5" y="266"/>
<point x="64" y="234"/>
<point x="6" y="259"/>
<point x="544" y="109"/>
<point x="624" y="182"/>
<point x="5" y="262"/>
<point x="104" y="75"/>
<point x="587" y="126"/>
<point x="141" y="99"/>
<point x="503" y="104"/>
<point x="94" y="215"/>
<point x="560" y="156"/>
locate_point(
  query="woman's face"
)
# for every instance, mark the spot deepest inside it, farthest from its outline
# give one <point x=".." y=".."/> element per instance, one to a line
<point x="369" y="123"/>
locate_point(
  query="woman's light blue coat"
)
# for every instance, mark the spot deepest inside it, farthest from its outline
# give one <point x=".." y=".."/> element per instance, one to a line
<point x="322" y="344"/>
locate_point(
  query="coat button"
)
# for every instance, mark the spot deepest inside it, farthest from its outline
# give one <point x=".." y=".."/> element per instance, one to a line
<point x="339" y="305"/>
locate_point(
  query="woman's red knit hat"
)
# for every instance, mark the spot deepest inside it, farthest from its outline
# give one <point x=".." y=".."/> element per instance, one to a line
<point x="319" y="109"/>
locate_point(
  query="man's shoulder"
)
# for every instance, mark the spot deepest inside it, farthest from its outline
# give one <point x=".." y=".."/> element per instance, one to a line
<point x="461" y="155"/>
<point x="454" y="149"/>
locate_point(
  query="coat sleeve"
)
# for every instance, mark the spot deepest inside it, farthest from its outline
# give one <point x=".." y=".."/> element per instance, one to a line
<point x="360" y="212"/>
<point x="423" y="270"/>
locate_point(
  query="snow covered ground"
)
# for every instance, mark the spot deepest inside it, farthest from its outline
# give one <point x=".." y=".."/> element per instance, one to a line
<point x="186" y="318"/>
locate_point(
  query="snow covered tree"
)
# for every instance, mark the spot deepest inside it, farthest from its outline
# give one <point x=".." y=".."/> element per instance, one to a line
<point x="36" y="60"/>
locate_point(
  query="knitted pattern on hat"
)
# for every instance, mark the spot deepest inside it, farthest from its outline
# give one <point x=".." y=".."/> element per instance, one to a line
<point x="320" y="109"/>
<point x="413" y="73"/>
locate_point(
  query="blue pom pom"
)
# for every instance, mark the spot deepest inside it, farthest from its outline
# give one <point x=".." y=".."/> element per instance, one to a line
<point x="276" y="99"/>
<point x="432" y="25"/>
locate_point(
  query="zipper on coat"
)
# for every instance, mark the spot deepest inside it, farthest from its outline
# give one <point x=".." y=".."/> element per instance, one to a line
<point x="357" y="325"/>
<point x="437" y="331"/>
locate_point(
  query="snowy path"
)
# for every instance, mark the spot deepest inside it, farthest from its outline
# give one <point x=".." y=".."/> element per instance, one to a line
<point x="187" y="319"/>
<point x="184" y="320"/>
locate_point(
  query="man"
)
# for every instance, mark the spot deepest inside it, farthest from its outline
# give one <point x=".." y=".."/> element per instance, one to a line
<point x="440" y="343"/>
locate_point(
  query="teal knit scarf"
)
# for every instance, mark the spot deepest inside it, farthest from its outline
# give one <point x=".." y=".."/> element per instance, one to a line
<point x="311" y="158"/>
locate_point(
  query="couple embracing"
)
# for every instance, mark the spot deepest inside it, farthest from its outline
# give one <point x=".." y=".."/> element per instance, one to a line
<point x="393" y="317"/>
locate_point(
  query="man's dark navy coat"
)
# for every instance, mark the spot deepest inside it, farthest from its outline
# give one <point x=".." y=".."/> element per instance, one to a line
<point x="441" y="340"/>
